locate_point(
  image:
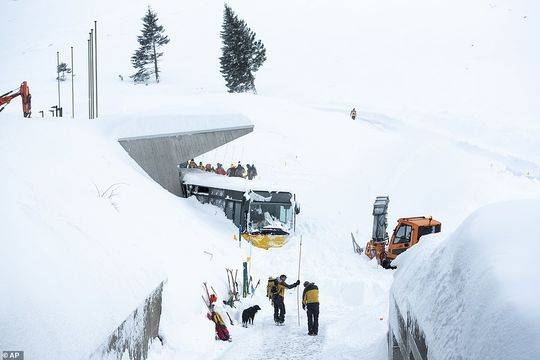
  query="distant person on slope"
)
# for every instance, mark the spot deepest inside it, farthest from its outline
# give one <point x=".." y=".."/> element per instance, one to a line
<point x="201" y="166"/>
<point x="209" y="168"/>
<point x="278" y="297"/>
<point x="240" y="171"/>
<point x="192" y="164"/>
<point x="310" y="300"/>
<point x="231" y="171"/>
<point x="220" y="170"/>
<point x="353" y="114"/>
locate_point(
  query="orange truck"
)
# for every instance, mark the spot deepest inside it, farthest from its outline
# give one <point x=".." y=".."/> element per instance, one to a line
<point x="407" y="233"/>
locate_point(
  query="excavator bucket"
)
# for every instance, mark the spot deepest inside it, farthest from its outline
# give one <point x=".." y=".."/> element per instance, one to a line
<point x="26" y="99"/>
<point x="24" y="93"/>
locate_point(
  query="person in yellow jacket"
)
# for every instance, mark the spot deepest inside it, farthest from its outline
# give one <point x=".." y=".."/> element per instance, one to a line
<point x="310" y="300"/>
<point x="278" y="297"/>
<point x="192" y="164"/>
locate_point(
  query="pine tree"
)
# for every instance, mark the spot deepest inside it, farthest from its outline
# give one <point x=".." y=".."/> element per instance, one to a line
<point x="62" y="69"/>
<point x="151" y="39"/>
<point x="242" y="54"/>
<point x="139" y="60"/>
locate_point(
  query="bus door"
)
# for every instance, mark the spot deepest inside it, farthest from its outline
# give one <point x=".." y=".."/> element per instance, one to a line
<point x="237" y="219"/>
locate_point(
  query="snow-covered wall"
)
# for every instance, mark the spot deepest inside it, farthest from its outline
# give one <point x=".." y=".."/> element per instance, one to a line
<point x="87" y="236"/>
<point x="475" y="294"/>
<point x="136" y="333"/>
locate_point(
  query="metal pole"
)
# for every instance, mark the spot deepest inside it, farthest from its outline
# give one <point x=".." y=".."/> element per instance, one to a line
<point x="72" y="89"/>
<point x="95" y="64"/>
<point x="92" y="72"/>
<point x="58" y="74"/>
<point x="89" y="98"/>
<point x="298" y="287"/>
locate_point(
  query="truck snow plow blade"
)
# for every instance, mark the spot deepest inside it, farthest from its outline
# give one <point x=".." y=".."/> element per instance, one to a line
<point x="266" y="241"/>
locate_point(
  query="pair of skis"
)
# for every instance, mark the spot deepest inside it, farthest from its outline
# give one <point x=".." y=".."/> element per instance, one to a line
<point x="208" y="301"/>
<point x="211" y="298"/>
<point x="232" y="285"/>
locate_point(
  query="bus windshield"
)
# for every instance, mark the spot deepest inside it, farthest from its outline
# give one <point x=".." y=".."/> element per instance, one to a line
<point x="271" y="218"/>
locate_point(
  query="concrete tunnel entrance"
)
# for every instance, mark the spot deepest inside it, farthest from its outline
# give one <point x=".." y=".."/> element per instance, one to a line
<point x="160" y="155"/>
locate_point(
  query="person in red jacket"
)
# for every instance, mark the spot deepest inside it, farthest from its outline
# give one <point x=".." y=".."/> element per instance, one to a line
<point x="220" y="170"/>
<point x="222" y="333"/>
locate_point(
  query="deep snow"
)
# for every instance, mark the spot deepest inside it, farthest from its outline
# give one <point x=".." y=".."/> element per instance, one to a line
<point x="475" y="294"/>
<point x="456" y="82"/>
<point x="170" y="235"/>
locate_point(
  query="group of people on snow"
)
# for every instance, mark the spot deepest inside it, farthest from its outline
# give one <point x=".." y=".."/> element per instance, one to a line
<point x="235" y="170"/>
<point x="275" y="291"/>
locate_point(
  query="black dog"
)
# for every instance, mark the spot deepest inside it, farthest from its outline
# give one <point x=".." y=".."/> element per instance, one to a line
<point x="249" y="314"/>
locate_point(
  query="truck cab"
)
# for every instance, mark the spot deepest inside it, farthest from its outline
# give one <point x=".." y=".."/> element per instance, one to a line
<point x="408" y="233"/>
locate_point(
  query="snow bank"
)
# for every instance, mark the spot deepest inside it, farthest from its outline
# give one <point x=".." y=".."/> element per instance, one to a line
<point x="475" y="294"/>
<point x="76" y="264"/>
<point x="80" y="267"/>
<point x="85" y="236"/>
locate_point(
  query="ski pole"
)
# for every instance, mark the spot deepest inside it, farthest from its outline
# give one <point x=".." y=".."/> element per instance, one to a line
<point x="298" y="288"/>
<point x="230" y="318"/>
<point x="205" y="303"/>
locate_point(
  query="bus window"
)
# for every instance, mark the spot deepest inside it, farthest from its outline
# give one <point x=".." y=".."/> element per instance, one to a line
<point x="270" y="216"/>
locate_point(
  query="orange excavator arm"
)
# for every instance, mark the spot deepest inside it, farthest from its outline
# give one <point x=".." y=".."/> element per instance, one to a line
<point x="26" y="97"/>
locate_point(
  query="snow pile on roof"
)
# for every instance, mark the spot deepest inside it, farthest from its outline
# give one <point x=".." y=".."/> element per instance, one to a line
<point x="475" y="295"/>
<point x="148" y="124"/>
<point x="199" y="177"/>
